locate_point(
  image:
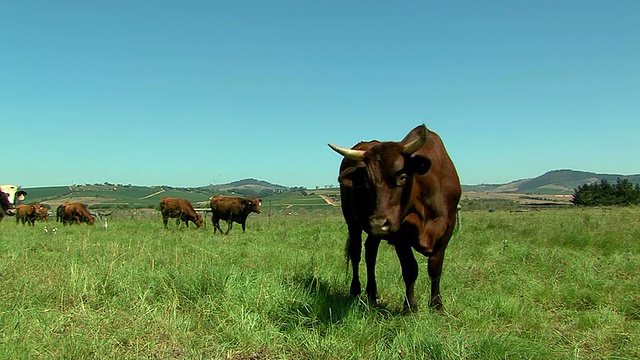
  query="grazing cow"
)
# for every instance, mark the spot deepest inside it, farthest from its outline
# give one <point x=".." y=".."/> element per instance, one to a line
<point x="43" y="212"/>
<point x="28" y="213"/>
<point x="74" y="212"/>
<point x="6" y="206"/>
<point x="404" y="192"/>
<point x="232" y="209"/>
<point x="180" y="209"/>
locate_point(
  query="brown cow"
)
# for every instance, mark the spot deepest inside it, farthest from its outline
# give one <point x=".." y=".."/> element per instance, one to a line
<point x="232" y="209"/>
<point x="407" y="193"/>
<point x="71" y="212"/>
<point x="28" y="213"/>
<point x="43" y="212"/>
<point x="6" y="206"/>
<point x="180" y="209"/>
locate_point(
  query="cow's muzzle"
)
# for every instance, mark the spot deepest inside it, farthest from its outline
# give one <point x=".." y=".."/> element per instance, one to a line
<point x="10" y="212"/>
<point x="380" y="226"/>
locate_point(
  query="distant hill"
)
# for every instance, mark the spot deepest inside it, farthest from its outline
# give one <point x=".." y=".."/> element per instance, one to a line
<point x="109" y="195"/>
<point x="246" y="187"/>
<point x="552" y="182"/>
<point x="130" y="196"/>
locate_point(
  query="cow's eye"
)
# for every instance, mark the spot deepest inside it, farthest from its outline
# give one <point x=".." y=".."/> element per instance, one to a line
<point x="401" y="180"/>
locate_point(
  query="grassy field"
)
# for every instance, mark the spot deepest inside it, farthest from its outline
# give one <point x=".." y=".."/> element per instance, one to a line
<point x="554" y="284"/>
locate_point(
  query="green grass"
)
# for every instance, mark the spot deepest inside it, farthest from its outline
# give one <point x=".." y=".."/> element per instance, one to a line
<point x="553" y="284"/>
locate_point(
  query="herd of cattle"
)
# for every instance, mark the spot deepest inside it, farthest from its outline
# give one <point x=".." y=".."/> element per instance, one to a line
<point x="405" y="192"/>
<point x="228" y="208"/>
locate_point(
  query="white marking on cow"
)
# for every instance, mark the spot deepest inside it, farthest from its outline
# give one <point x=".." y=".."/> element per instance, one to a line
<point x="11" y="190"/>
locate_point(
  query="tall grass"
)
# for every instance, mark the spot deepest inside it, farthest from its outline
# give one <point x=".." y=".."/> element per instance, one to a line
<point x="538" y="285"/>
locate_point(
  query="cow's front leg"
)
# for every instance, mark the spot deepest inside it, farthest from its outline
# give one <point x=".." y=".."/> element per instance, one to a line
<point x="216" y="224"/>
<point x="229" y="226"/>
<point x="409" y="267"/>
<point x="353" y="251"/>
<point x="370" y="255"/>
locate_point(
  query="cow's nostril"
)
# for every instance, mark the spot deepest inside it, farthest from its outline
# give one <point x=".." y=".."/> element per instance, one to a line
<point x="380" y="226"/>
<point x="385" y="225"/>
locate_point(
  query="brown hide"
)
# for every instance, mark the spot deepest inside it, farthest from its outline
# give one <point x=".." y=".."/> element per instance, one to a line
<point x="405" y="192"/>
<point x="181" y="209"/>
<point x="27" y="213"/>
<point x="230" y="209"/>
<point x="74" y="212"/>
<point x="42" y="213"/>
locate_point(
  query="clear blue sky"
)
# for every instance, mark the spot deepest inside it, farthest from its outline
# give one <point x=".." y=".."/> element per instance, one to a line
<point x="191" y="93"/>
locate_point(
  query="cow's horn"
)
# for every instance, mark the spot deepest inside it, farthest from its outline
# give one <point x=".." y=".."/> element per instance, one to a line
<point x="350" y="154"/>
<point x="414" y="145"/>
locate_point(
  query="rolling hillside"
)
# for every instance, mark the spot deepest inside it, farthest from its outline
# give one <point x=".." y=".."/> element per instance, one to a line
<point x="557" y="182"/>
<point x="552" y="182"/>
<point x="108" y="195"/>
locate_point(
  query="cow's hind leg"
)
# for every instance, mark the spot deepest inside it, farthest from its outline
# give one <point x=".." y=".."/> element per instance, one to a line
<point x="230" y="223"/>
<point x="409" y="267"/>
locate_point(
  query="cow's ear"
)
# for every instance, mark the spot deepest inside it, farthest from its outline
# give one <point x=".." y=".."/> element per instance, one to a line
<point x="420" y="164"/>
<point x="351" y="175"/>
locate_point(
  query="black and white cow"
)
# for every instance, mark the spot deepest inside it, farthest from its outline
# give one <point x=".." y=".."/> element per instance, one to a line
<point x="9" y="196"/>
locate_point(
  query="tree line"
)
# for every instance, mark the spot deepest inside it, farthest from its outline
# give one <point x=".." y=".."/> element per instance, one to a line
<point x="623" y="192"/>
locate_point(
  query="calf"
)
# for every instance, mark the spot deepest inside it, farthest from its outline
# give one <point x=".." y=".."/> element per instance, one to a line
<point x="181" y="209"/>
<point x="28" y="213"/>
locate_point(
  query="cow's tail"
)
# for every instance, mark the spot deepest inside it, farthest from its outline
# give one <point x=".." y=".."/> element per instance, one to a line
<point x="347" y="258"/>
<point x="458" y="227"/>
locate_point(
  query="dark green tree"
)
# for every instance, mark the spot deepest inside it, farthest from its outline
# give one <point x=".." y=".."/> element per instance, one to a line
<point x="623" y="192"/>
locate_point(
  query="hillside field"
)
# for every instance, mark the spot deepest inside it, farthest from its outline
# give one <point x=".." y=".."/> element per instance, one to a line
<point x="137" y="197"/>
<point x="286" y="201"/>
<point x="552" y="284"/>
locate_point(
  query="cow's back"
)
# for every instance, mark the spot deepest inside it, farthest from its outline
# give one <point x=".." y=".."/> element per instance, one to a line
<point x="176" y="205"/>
<point x="225" y="205"/>
<point x="186" y="207"/>
<point x="168" y="204"/>
<point x="73" y="210"/>
<point x="22" y="210"/>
